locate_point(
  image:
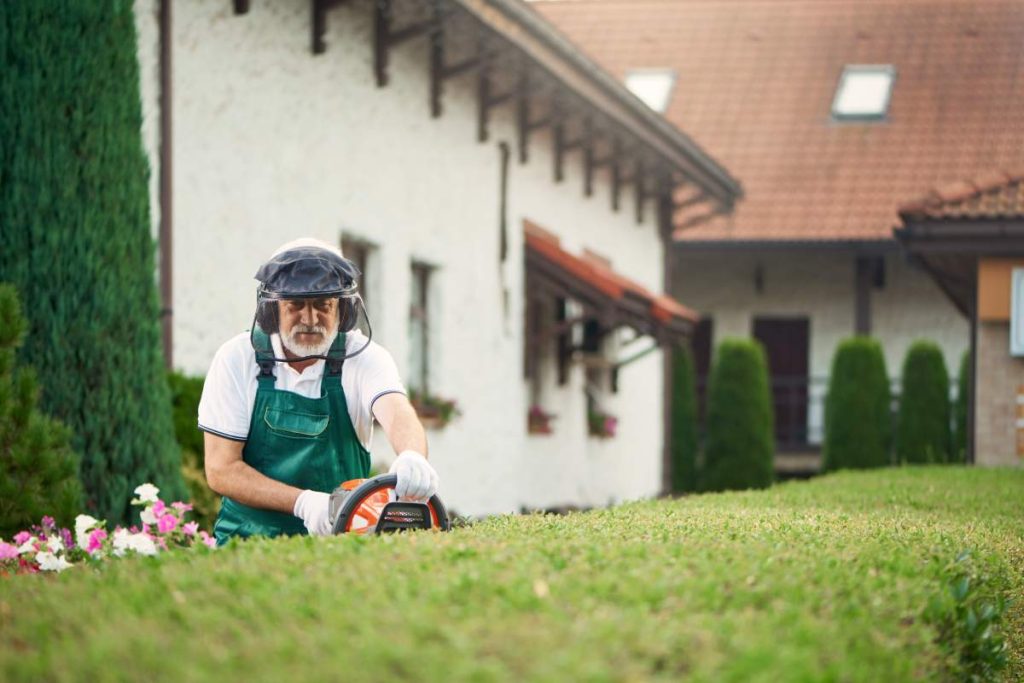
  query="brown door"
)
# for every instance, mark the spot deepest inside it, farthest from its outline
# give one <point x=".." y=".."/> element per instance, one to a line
<point x="701" y="346"/>
<point x="786" y="343"/>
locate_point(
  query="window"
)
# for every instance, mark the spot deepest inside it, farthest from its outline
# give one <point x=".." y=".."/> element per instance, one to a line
<point x="652" y="86"/>
<point x="419" y="327"/>
<point x="359" y="252"/>
<point x="863" y="92"/>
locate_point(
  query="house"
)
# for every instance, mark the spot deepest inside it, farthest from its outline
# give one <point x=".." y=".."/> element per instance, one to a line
<point x="969" y="237"/>
<point x="833" y="114"/>
<point x="508" y="203"/>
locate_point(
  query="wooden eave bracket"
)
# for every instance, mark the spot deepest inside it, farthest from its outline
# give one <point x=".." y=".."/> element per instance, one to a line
<point x="385" y="37"/>
<point x="320" y="8"/>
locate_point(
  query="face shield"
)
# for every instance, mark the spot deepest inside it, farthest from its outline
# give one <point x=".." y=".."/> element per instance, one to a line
<point x="309" y="296"/>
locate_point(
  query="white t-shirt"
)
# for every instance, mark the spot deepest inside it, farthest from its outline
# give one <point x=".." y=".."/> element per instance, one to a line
<point x="229" y="393"/>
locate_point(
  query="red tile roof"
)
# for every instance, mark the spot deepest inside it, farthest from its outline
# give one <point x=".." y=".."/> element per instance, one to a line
<point x="997" y="195"/>
<point x="755" y="83"/>
<point x="599" y="276"/>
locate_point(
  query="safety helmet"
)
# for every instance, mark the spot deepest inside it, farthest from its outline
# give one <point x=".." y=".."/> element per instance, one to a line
<point x="307" y="269"/>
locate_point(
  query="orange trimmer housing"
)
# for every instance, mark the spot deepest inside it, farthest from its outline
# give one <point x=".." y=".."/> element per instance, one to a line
<point x="369" y="506"/>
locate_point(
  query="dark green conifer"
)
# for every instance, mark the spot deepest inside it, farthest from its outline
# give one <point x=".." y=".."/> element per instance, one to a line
<point x="77" y="242"/>
<point x="38" y="469"/>
<point x="684" y="422"/>
<point x="960" y="409"/>
<point x="858" y="416"/>
<point x="740" y="446"/>
<point x="923" y="424"/>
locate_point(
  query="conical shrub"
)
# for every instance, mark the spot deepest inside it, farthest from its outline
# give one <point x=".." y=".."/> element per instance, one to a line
<point x="740" y="448"/>
<point x="960" y="409"/>
<point x="684" y="422"/>
<point x="38" y="469"/>
<point x="858" y="417"/>
<point x="77" y="241"/>
<point x="923" y="424"/>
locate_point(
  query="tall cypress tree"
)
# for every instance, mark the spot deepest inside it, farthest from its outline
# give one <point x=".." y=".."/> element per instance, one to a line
<point x="740" y="448"/>
<point x="923" y="424"/>
<point x="858" y="419"/>
<point x="684" y="422"/>
<point x="77" y="242"/>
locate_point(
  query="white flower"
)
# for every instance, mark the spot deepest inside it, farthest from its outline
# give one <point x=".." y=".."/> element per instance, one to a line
<point x="142" y="544"/>
<point x="147" y="515"/>
<point x="121" y="537"/>
<point x="54" y="544"/>
<point x="83" y="525"/>
<point x="28" y="546"/>
<point x="146" y="493"/>
<point x="49" y="562"/>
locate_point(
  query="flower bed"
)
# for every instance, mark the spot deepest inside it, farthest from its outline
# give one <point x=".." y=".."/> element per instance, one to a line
<point x="46" y="547"/>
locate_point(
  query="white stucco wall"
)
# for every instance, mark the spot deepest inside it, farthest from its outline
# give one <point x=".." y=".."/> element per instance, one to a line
<point x="272" y="142"/>
<point x="819" y="285"/>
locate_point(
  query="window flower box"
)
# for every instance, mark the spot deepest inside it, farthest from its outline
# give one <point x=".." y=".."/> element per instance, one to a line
<point x="434" y="411"/>
<point x="538" y="421"/>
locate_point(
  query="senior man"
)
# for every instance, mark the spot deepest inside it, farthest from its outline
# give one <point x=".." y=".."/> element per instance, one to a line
<point x="288" y="407"/>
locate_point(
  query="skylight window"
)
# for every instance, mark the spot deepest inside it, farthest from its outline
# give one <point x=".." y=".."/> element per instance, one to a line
<point x="863" y="92"/>
<point x="652" y="86"/>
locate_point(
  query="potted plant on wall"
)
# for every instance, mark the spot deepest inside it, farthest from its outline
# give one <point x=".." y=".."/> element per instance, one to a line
<point x="601" y="424"/>
<point x="538" y="420"/>
<point x="434" y="411"/>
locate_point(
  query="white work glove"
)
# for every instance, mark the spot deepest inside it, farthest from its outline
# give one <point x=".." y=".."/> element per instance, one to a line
<point x="312" y="508"/>
<point x="417" y="480"/>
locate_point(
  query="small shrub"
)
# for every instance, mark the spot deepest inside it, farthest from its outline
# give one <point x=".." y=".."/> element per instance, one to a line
<point x="858" y="423"/>
<point x="684" y="422"/>
<point x="922" y="427"/>
<point x="740" y="437"/>
<point x="38" y="469"/>
<point x="185" y="394"/>
<point x="960" y="409"/>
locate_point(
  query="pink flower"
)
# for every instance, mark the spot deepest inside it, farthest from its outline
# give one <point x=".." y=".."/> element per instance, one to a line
<point x="167" y="523"/>
<point x="208" y="540"/>
<point x="96" y="541"/>
<point x="21" y="537"/>
<point x="190" y="529"/>
<point x="8" y="551"/>
<point x="159" y="508"/>
<point x="48" y="522"/>
<point x="181" y="507"/>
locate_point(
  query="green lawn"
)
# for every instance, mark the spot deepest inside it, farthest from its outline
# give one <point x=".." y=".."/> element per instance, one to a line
<point x="850" y="577"/>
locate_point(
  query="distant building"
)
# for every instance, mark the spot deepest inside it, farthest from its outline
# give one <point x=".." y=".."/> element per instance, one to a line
<point x="833" y="114"/>
<point x="508" y="203"/>
<point x="969" y="236"/>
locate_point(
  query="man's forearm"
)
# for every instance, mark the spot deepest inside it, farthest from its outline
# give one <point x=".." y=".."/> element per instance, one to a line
<point x="401" y="424"/>
<point x="242" y="483"/>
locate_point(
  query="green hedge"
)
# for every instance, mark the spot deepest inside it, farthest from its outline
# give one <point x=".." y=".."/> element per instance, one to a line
<point x="923" y="424"/>
<point x="739" y="453"/>
<point x="853" y="577"/>
<point x="77" y="240"/>
<point x="684" y="422"/>
<point x="38" y="469"/>
<point x="858" y="419"/>
<point x="960" y="409"/>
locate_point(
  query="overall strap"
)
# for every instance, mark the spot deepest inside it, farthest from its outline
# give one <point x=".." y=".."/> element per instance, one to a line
<point x="335" y="357"/>
<point x="264" y="356"/>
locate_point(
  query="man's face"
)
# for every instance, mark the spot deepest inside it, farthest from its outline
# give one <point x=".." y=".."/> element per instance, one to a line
<point x="308" y="326"/>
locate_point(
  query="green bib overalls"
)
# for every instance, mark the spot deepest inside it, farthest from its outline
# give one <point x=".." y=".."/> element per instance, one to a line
<point x="309" y="443"/>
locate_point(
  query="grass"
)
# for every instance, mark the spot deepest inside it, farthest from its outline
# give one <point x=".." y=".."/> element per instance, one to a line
<point x="851" y="577"/>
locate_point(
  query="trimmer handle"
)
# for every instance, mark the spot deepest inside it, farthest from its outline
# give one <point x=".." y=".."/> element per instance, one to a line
<point x="369" y="502"/>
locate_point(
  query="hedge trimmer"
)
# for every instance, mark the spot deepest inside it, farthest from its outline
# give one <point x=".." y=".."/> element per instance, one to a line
<point x="369" y="506"/>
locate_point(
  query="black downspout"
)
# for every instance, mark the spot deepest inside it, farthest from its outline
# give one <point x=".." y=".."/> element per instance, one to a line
<point x="166" y="209"/>
<point x="664" y="227"/>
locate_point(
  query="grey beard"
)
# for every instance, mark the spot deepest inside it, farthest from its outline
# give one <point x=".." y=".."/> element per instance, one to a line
<point x="299" y="349"/>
